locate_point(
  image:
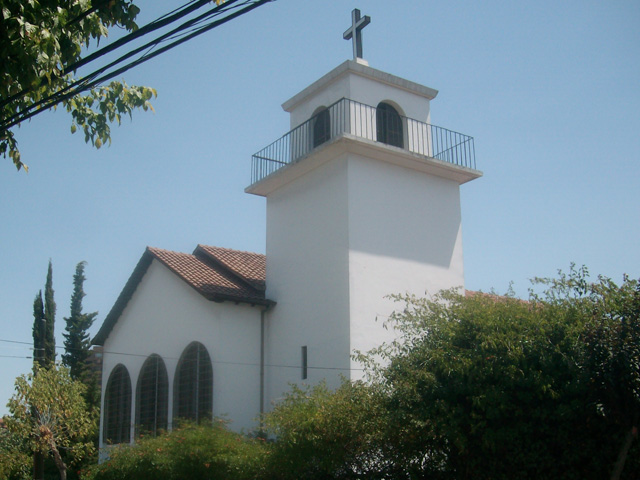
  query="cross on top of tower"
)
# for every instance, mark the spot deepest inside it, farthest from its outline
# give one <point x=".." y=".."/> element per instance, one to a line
<point x="355" y="32"/>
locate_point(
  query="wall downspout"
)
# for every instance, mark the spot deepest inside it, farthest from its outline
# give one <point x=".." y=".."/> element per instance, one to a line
<point x="262" y="353"/>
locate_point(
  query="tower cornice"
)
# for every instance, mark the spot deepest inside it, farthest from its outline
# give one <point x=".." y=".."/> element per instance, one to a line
<point x="357" y="68"/>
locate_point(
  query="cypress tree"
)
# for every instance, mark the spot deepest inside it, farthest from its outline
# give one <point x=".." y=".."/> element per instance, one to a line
<point x="50" y="319"/>
<point x="38" y="330"/>
<point x="77" y="343"/>
<point x="44" y="344"/>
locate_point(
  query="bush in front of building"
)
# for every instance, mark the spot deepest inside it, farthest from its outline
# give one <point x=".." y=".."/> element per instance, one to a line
<point x="191" y="451"/>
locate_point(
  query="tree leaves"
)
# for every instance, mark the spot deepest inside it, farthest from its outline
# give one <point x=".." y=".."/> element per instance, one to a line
<point x="486" y="386"/>
<point x="38" y="41"/>
<point x="47" y="407"/>
<point x="111" y="103"/>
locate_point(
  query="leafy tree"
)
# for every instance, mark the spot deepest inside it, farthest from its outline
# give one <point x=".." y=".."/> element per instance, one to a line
<point x="14" y="461"/>
<point x="484" y="389"/>
<point x="48" y="412"/>
<point x="77" y="342"/>
<point x="322" y="434"/>
<point x="495" y="387"/>
<point x="612" y="364"/>
<point x="481" y="386"/>
<point x="40" y="44"/>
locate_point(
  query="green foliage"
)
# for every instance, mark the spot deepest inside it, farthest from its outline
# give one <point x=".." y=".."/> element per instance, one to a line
<point x="611" y="362"/>
<point x="49" y="319"/>
<point x="93" y="112"/>
<point x="39" y="41"/>
<point x="44" y="317"/>
<point x="488" y="389"/>
<point x="15" y="463"/>
<point x="193" y="451"/>
<point x="484" y="386"/>
<point x="481" y="386"/>
<point x="475" y="386"/>
<point x="48" y="413"/>
<point x="323" y="434"/>
<point x="77" y="342"/>
<point x="612" y="350"/>
<point x="38" y="330"/>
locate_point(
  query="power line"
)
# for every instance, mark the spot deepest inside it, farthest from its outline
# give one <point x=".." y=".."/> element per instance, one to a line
<point x="15" y="341"/>
<point x="151" y="27"/>
<point x="90" y="81"/>
<point x="154" y="25"/>
<point x="220" y="362"/>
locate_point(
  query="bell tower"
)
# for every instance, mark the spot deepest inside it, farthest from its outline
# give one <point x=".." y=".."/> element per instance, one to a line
<point x="363" y="201"/>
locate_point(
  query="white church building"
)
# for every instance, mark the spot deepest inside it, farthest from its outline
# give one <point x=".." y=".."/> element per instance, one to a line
<point x="363" y="200"/>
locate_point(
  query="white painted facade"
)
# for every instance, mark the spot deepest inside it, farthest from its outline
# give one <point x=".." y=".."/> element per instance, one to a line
<point x="348" y="223"/>
<point x="163" y="317"/>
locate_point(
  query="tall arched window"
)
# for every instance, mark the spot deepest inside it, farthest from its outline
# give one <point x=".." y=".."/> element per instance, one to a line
<point x="152" y="397"/>
<point x="389" y="125"/>
<point x="321" y="127"/>
<point x="193" y="385"/>
<point x="117" y="407"/>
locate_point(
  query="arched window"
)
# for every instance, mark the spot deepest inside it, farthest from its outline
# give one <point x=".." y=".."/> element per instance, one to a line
<point x="321" y="127"/>
<point x="389" y="125"/>
<point x="117" y="407"/>
<point x="193" y="385"/>
<point x="152" y="397"/>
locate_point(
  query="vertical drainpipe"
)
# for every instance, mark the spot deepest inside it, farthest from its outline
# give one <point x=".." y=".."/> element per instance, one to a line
<point x="263" y="312"/>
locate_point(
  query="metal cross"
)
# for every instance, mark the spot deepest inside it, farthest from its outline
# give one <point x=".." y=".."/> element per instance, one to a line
<point x="355" y="32"/>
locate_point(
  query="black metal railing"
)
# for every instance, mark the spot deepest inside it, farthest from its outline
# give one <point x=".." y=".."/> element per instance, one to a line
<point x="367" y="122"/>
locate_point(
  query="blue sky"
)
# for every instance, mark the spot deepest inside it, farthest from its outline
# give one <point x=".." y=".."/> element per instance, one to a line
<point x="550" y="91"/>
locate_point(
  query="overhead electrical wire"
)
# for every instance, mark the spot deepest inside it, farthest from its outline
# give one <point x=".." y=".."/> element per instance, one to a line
<point x="218" y="362"/>
<point x="162" y="21"/>
<point x="151" y="27"/>
<point x="86" y="82"/>
<point x="93" y="79"/>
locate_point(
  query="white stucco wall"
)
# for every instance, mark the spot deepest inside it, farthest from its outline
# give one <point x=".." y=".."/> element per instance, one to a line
<point x="340" y="239"/>
<point x="404" y="237"/>
<point x="348" y="226"/>
<point x="164" y="316"/>
<point x="365" y="85"/>
<point x="307" y="261"/>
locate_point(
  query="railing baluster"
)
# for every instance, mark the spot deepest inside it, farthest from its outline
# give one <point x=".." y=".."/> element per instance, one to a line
<point x="354" y="118"/>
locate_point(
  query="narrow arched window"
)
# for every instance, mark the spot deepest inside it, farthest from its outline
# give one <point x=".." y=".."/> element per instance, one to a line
<point x="193" y="385"/>
<point x="321" y="127"/>
<point x="389" y="125"/>
<point x="117" y="407"/>
<point x="152" y="397"/>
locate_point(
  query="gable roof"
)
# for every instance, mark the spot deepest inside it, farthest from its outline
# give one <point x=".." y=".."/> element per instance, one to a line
<point x="250" y="267"/>
<point x="218" y="274"/>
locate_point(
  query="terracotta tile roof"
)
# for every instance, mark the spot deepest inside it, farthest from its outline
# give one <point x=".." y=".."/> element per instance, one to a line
<point x="249" y="266"/>
<point x="218" y="274"/>
<point x="214" y="281"/>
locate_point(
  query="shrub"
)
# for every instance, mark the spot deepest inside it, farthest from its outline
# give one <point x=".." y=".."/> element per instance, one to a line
<point x="189" y="452"/>
<point x="322" y="434"/>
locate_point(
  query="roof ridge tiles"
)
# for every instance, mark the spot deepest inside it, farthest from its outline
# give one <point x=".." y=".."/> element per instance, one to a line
<point x="230" y="249"/>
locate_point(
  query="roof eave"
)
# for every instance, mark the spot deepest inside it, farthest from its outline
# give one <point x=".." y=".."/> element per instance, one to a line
<point x="219" y="298"/>
<point x="124" y="297"/>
